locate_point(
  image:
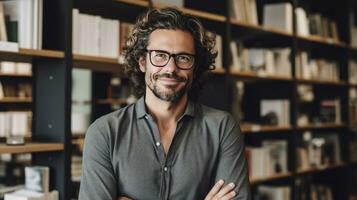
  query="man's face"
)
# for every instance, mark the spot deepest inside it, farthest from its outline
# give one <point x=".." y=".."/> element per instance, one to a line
<point x="168" y="83"/>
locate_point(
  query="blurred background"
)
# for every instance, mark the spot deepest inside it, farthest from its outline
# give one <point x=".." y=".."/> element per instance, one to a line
<point x="286" y="70"/>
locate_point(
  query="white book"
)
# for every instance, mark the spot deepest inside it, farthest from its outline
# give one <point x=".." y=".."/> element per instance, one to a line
<point x="235" y="65"/>
<point x="8" y="67"/>
<point x="278" y="16"/>
<point x="75" y="31"/>
<point x="269" y="63"/>
<point x="23" y="68"/>
<point x="305" y="71"/>
<point x="25" y="23"/>
<point x="252" y="12"/>
<point x="3" y="34"/>
<point x="278" y="153"/>
<point x="282" y="62"/>
<point x="302" y="22"/>
<point x="239" y="12"/>
<point x="35" y="21"/>
<point x="219" y="62"/>
<point x="19" y="124"/>
<point x="1" y="92"/>
<point x="9" y="46"/>
<point x="40" y="24"/>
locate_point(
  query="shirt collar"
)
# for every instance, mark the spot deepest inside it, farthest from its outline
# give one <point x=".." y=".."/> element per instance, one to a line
<point x="141" y="112"/>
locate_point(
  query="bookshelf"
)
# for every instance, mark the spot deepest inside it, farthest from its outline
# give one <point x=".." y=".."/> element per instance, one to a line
<point x="52" y="67"/>
<point x="31" y="148"/>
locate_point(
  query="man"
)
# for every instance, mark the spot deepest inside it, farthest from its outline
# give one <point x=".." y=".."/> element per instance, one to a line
<point x="165" y="146"/>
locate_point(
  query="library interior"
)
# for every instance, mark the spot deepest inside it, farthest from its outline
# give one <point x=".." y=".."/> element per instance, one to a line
<point x="286" y="70"/>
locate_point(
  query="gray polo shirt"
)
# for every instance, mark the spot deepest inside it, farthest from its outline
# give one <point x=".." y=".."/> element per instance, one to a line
<point x="123" y="156"/>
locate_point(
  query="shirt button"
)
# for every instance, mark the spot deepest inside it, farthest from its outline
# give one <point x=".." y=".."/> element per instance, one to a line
<point x="157" y="144"/>
<point x="165" y="169"/>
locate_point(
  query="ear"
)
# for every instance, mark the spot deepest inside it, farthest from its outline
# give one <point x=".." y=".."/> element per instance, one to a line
<point x="142" y="64"/>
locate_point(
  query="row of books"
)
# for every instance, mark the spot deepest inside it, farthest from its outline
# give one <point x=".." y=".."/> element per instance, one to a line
<point x="21" y="68"/>
<point x="316" y="69"/>
<point x="15" y="89"/>
<point x="269" y="192"/>
<point x="15" y="123"/>
<point x="263" y="62"/>
<point x="329" y="111"/>
<point x="304" y="189"/>
<point x="280" y="16"/>
<point x="76" y="168"/>
<point x="21" y="22"/>
<point x="318" y="150"/>
<point x="106" y="38"/>
<point x="267" y="160"/>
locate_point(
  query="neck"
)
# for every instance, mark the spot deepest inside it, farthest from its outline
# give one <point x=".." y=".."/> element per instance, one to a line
<point x="165" y="111"/>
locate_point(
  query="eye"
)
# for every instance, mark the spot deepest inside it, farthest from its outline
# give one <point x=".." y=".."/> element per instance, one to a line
<point x="183" y="58"/>
<point x="160" y="56"/>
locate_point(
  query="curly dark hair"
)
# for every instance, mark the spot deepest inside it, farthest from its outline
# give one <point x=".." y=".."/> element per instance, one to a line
<point x="173" y="19"/>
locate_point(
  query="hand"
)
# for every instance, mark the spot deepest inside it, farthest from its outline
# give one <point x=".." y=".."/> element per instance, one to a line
<point x="218" y="192"/>
<point x="123" y="198"/>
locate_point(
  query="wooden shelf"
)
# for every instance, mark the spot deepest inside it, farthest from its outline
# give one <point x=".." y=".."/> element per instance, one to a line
<point x="193" y="12"/>
<point x="219" y="70"/>
<point x="16" y="100"/>
<point x="97" y="63"/>
<point x="322" y="40"/>
<point x="14" y="75"/>
<point x="142" y="3"/>
<point x="251" y="128"/>
<point x="321" y="169"/>
<point x="260" y="28"/>
<point x="271" y="178"/>
<point x="255" y="76"/>
<point x="322" y="126"/>
<point x="321" y="82"/>
<point x="31" y="148"/>
<point x="35" y="53"/>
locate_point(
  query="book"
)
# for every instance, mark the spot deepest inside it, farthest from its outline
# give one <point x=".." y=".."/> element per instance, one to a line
<point x="279" y="16"/>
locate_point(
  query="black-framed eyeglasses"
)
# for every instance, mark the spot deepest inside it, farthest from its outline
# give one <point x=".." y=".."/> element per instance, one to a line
<point x="160" y="58"/>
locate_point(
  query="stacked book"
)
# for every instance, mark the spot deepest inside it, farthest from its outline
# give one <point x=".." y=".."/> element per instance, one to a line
<point x="262" y="62"/>
<point x="15" y="123"/>
<point x="21" y="22"/>
<point x="268" y="192"/>
<point x="316" y="69"/>
<point x="106" y="39"/>
<point x="318" y="150"/>
<point x="267" y="160"/>
<point x="278" y="16"/>
<point x="20" y="68"/>
<point x="245" y="11"/>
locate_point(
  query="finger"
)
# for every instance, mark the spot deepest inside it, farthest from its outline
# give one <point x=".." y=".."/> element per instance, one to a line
<point x="229" y="196"/>
<point x="225" y="190"/>
<point x="215" y="189"/>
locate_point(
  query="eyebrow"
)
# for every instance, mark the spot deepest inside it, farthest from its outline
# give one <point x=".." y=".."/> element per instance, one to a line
<point x="180" y="52"/>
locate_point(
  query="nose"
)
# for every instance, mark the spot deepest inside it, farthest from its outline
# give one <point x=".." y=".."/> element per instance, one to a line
<point x="171" y="65"/>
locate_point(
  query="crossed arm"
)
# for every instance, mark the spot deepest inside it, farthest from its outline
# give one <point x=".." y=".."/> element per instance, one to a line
<point x="218" y="191"/>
